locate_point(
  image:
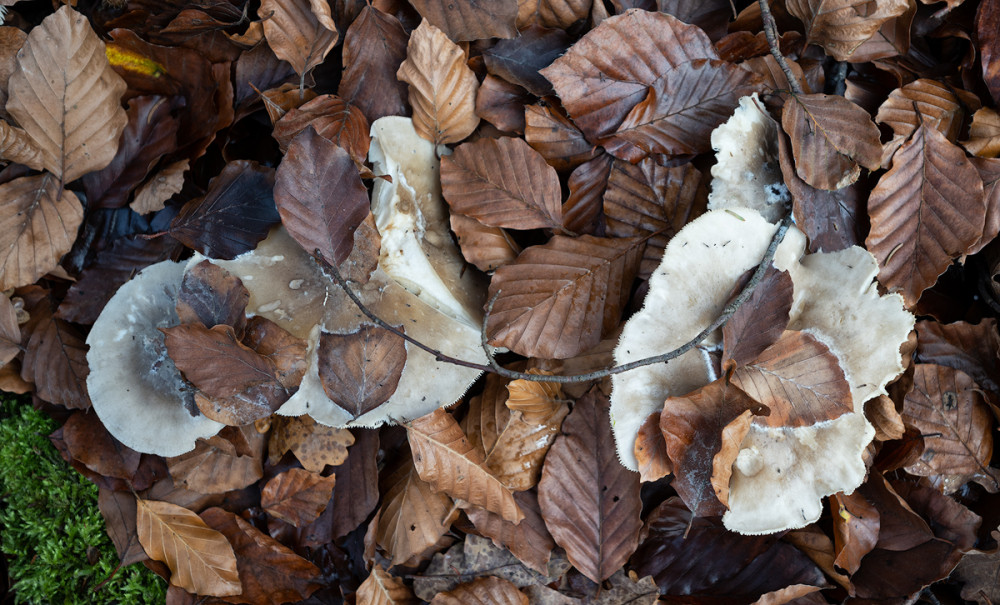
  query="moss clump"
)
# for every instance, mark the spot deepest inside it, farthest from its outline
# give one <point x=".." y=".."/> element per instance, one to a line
<point x="52" y="531"/>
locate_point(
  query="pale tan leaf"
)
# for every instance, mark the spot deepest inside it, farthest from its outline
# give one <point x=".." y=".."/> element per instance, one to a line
<point x="444" y="458"/>
<point x="722" y="462"/>
<point x="651" y="450"/>
<point x="841" y="26"/>
<point x="296" y="34"/>
<point x="314" y="445"/>
<point x="297" y="496"/>
<point x="10" y="331"/>
<point x="200" y="559"/>
<point x="881" y="413"/>
<point x="413" y="515"/>
<point x="984" y="134"/>
<point x="442" y="87"/>
<point x="470" y="19"/>
<point x="489" y="590"/>
<point x="559" y="14"/>
<point x="38" y="224"/>
<point x="380" y="588"/>
<point x="536" y="401"/>
<point x="485" y="247"/>
<point x="152" y="196"/>
<point x="213" y="467"/>
<point x="66" y="96"/>
<point x="929" y="102"/>
<point x="17" y="146"/>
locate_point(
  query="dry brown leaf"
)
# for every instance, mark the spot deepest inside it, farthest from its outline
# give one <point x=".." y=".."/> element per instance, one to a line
<point x="445" y="459"/>
<point x="55" y="359"/>
<point x="519" y="60"/>
<point x="831" y="137"/>
<point x="11" y="41"/>
<point x="927" y="210"/>
<point x="722" y="463"/>
<point x="213" y="466"/>
<point x="841" y="26"/>
<point x="582" y="209"/>
<point x="333" y="119"/>
<point x="650" y="200"/>
<point x="17" y="146"/>
<point x="502" y="104"/>
<point x="971" y="348"/>
<point x="314" y="445"/>
<point x="279" y="101"/>
<point x="442" y="87"/>
<point x="485" y="247"/>
<point x="928" y="102"/>
<point x="38" y="224"/>
<point x="559" y="14"/>
<point x="589" y="501"/>
<point x="536" y="401"/>
<point x="380" y="588"/>
<point x="298" y="34"/>
<point x="554" y="135"/>
<point x="374" y="47"/>
<point x="651" y="450"/>
<point x="152" y="196"/>
<point x="984" y="134"/>
<point x="200" y="559"/>
<point x="856" y="525"/>
<point x="361" y="370"/>
<point x="413" y="515"/>
<point x="760" y="321"/>
<point x="560" y="298"/>
<point x="279" y="345"/>
<point x="881" y="413"/>
<point x="471" y="19"/>
<point x="989" y="171"/>
<point x="297" y="496"/>
<point x="210" y="295"/>
<point x="528" y="540"/>
<point x="502" y="183"/>
<point x="10" y="331"/>
<point x="489" y="590"/>
<point x="66" y="96"/>
<point x="892" y="39"/>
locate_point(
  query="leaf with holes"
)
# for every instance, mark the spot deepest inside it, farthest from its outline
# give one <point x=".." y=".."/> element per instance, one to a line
<point x="413" y="516"/>
<point x="297" y="496"/>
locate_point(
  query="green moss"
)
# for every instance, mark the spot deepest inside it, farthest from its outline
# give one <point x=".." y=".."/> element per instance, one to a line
<point x="50" y="527"/>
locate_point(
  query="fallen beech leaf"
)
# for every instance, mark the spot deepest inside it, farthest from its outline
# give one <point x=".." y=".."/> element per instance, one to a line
<point x="551" y="13"/>
<point x="989" y="171"/>
<point x="10" y="331"/>
<point x="333" y="119"/>
<point x="651" y="451"/>
<point x="210" y="295"/>
<point x="536" y="401"/>
<point x="380" y="588"/>
<point x="892" y="39"/>
<point x="831" y="137"/>
<point x="234" y="216"/>
<point x="361" y="370"/>
<point x="442" y="87"/>
<point x="589" y="501"/>
<point x="297" y="33"/>
<point x="692" y="427"/>
<point x="271" y="573"/>
<point x="796" y="593"/>
<point x="856" y="525"/>
<point x="55" y="359"/>
<point x="200" y="559"/>
<point x="444" y="458"/>
<point x="559" y="298"/>
<point x="587" y="184"/>
<point x="320" y="196"/>
<point x="984" y="134"/>
<point x="948" y="410"/>
<point x="651" y="201"/>
<point x="490" y="590"/>
<point x="554" y="135"/>
<point x="119" y="512"/>
<point x="38" y="223"/>
<point x="528" y="540"/>
<point x="485" y="247"/>
<point x="881" y="413"/>
<point x="277" y="344"/>
<point x="928" y="102"/>
<point x="374" y="47"/>
<point x="977" y="571"/>
<point x="17" y="146"/>
<point x="971" y="348"/>
<point x="286" y="97"/>
<point x="89" y="443"/>
<point x="213" y="467"/>
<point x="841" y="26"/>
<point x="413" y="515"/>
<point x="729" y="449"/>
<point x="297" y="496"/>
<point x="166" y="183"/>
<point x="314" y="445"/>
<point x="927" y="210"/>
<point x="799" y="379"/>
<point x="355" y="496"/>
<point x="760" y="321"/>
<point x="609" y="71"/>
<point x="502" y="104"/>
<point x="66" y="96"/>
<point x="471" y="19"/>
<point x="11" y="41"/>
<point x="502" y="183"/>
<point x="519" y="60"/>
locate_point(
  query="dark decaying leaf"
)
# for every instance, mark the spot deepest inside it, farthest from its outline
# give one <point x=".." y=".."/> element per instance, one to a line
<point x="235" y="214"/>
<point x="489" y="590"/>
<point x="55" y="359"/>
<point x="320" y="196"/>
<point x="697" y="557"/>
<point x="552" y="134"/>
<point x="519" y="60"/>
<point x="559" y="298"/>
<point x="211" y="295"/>
<point x="472" y="19"/>
<point x="93" y="446"/>
<point x="971" y="348"/>
<point x="589" y="501"/>
<point x="528" y="540"/>
<point x="856" y="525"/>
<point x="374" y="46"/>
<point x="760" y="321"/>
<point x="118" y="511"/>
<point x="333" y="119"/>
<point x="361" y="370"/>
<point x="502" y="183"/>
<point x="297" y="496"/>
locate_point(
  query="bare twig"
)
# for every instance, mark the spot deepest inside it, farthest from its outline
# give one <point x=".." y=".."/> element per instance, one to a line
<point x="771" y="33"/>
<point x="495" y="368"/>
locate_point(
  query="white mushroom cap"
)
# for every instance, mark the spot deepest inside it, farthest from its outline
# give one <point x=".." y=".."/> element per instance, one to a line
<point x="136" y="389"/>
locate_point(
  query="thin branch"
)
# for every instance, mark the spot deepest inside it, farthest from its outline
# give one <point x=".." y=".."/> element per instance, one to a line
<point x="771" y="33"/>
<point x="495" y="368"/>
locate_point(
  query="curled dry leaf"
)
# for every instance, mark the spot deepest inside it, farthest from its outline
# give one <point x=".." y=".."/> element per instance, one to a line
<point x="651" y="451"/>
<point x="333" y="119"/>
<point x="472" y="19"/>
<point x="559" y="298"/>
<point x="444" y="458"/>
<point x="360" y="370"/>
<point x="381" y="588"/>
<point x="213" y="466"/>
<point x="722" y="463"/>
<point x="984" y="134"/>
<point x="928" y="102"/>
<point x="413" y="516"/>
<point x="277" y="344"/>
<point x="313" y="444"/>
<point x="485" y="247"/>
<point x="16" y="145"/>
<point x="297" y="496"/>
<point x="442" y="87"/>
<point x="38" y="224"/>
<point x="66" y="96"/>
<point x="832" y="138"/>
<point x="927" y="210"/>
<point x="10" y="331"/>
<point x="502" y="183"/>
<point x="200" y="559"/>
<point x="841" y="26"/>
<point x="856" y="524"/>
<point x="297" y="33"/>
<point x="881" y="413"/>
<point x="152" y="196"/>
<point x="536" y="401"/>
<point x="489" y="590"/>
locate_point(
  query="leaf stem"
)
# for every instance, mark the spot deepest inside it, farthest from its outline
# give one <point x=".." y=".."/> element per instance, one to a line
<point x="771" y="33"/>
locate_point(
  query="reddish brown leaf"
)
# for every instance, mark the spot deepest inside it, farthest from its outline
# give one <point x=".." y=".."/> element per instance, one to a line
<point x="297" y="32"/>
<point x="971" y="348"/>
<point x="10" y="331"/>
<point x="297" y="496"/>
<point x="320" y="196"/>
<point x="760" y="321"/>
<point x="333" y="119"/>
<point x="210" y="295"/>
<point x="279" y="101"/>
<point x="831" y="137"/>
<point x="589" y="501"/>
<point x="984" y="134"/>
<point x="692" y="427"/>
<point x="118" y="511"/>
<point x="928" y="102"/>
<point x="356" y="493"/>
<point x="92" y="445"/>
<point x="374" y="46"/>
<point x="554" y="136"/>
<point x="361" y="370"/>
<point x="722" y="462"/>
<point x="55" y="359"/>
<point x="472" y="19"/>
<point x="234" y="216"/>
<point x="558" y="299"/>
<point x="552" y="13"/>
<point x="855" y="529"/>
<point x="445" y="459"/>
<point x="587" y="184"/>
<point x="277" y="344"/>
<point x="213" y="467"/>
<point x="881" y="413"/>
<point x="841" y="26"/>
<point x="651" y="450"/>
<point x="314" y="445"/>
<point x="502" y="104"/>
<point x="927" y="210"/>
<point x="490" y="590"/>
<point x="609" y="71"/>
<point x="270" y="572"/>
<point x="502" y="183"/>
<point x="528" y="540"/>
<point x="650" y="200"/>
<point x="383" y="589"/>
<point x="989" y="171"/>
<point x="485" y="247"/>
<point x="413" y="514"/>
